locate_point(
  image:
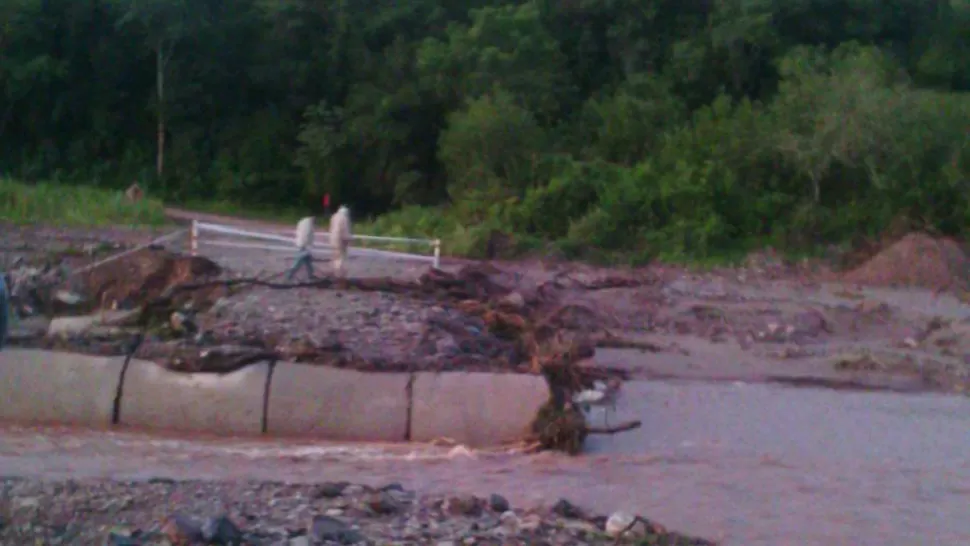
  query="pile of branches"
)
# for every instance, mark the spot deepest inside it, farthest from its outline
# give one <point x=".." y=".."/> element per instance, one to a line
<point x="531" y="320"/>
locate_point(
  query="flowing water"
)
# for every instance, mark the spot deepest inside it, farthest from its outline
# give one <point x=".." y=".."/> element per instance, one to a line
<point x="746" y="464"/>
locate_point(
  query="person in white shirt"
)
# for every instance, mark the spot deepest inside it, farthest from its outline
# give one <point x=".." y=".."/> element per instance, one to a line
<point x="340" y="237"/>
<point x="304" y="242"/>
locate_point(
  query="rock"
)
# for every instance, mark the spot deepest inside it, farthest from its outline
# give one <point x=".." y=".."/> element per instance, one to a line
<point x="101" y="322"/>
<point x="567" y="509"/>
<point x="299" y="541"/>
<point x="352" y="490"/>
<point x="530" y="522"/>
<point x="123" y="317"/>
<point x="513" y="300"/>
<point x="68" y="298"/>
<point x="393" y="487"/>
<point x="221" y="530"/>
<point x="465" y="505"/>
<point x="28" y="328"/>
<point x="182" y="530"/>
<point x="580" y="526"/>
<point x="811" y="324"/>
<point x="383" y="503"/>
<point x="325" y="528"/>
<point x="623" y="523"/>
<point x="25" y="503"/>
<point x="183" y="323"/>
<point x="447" y="345"/>
<point x="509" y="523"/>
<point x="67" y="326"/>
<point x="498" y="503"/>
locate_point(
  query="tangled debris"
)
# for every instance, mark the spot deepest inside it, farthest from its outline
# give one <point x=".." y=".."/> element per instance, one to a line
<point x="146" y="276"/>
<point x="532" y="322"/>
<point x="496" y="324"/>
<point x="125" y="283"/>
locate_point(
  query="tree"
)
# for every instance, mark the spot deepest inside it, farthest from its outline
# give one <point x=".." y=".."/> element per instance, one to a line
<point x="505" y="47"/>
<point x="165" y="23"/>
<point x="491" y="149"/>
<point x="832" y="110"/>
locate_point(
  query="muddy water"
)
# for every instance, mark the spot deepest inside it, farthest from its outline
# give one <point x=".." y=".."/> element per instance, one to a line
<point x="746" y="464"/>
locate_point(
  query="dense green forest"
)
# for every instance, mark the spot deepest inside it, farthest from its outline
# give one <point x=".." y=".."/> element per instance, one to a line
<point x="651" y="127"/>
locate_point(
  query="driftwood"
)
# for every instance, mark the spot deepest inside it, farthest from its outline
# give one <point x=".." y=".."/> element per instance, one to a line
<point x="623" y="427"/>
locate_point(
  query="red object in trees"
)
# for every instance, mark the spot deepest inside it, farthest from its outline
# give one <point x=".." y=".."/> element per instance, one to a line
<point x="326" y="201"/>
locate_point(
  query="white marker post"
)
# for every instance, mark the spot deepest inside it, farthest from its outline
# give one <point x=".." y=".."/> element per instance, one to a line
<point x="194" y="239"/>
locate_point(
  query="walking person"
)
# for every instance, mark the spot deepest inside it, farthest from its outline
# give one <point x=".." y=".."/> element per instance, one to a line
<point x="304" y="243"/>
<point x="340" y="237"/>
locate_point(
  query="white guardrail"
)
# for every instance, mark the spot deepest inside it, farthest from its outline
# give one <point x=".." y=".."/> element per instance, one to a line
<point x="288" y="245"/>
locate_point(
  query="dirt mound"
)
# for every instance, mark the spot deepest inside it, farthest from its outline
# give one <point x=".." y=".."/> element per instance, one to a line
<point x="916" y="260"/>
<point x="143" y="276"/>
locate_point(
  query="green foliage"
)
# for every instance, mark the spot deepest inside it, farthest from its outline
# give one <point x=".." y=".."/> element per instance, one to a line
<point x="621" y="130"/>
<point x="504" y="46"/>
<point x="627" y="125"/>
<point x="491" y="150"/>
<point x="74" y="206"/>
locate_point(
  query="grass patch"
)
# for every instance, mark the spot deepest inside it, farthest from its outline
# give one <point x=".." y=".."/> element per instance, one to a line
<point x="77" y="206"/>
<point x="456" y="238"/>
<point x="459" y="239"/>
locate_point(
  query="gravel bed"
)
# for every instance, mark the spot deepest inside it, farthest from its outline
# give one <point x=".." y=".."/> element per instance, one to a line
<point x="369" y="324"/>
<point x="160" y="512"/>
<point x="388" y="331"/>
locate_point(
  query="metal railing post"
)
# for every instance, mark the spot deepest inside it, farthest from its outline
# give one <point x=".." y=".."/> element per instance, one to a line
<point x="194" y="238"/>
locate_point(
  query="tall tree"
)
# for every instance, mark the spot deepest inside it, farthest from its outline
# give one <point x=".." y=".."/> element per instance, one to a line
<point x="165" y="23"/>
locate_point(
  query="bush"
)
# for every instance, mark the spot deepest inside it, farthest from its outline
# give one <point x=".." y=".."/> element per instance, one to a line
<point x="491" y="149"/>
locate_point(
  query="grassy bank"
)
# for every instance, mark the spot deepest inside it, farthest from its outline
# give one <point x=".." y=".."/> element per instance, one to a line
<point x="76" y="206"/>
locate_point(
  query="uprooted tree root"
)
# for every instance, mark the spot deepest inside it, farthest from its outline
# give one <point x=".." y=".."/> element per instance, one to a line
<point x="533" y="322"/>
<point x="560" y="428"/>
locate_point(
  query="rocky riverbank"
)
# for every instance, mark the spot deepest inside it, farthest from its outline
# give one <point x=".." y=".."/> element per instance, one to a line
<point x="158" y="512"/>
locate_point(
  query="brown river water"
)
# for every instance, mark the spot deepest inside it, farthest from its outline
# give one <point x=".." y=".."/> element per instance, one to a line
<point x="746" y="464"/>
